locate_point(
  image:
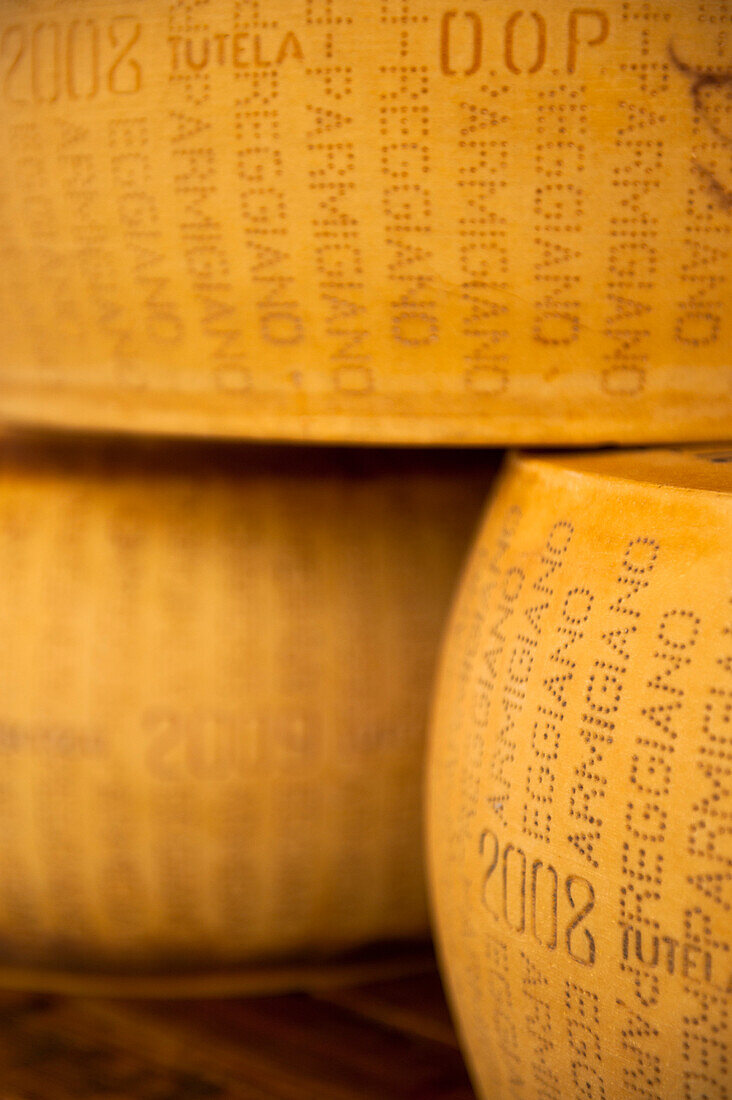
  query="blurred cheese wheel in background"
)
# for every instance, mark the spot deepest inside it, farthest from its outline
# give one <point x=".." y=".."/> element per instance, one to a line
<point x="580" y="794"/>
<point x="386" y="222"/>
<point x="215" y="674"/>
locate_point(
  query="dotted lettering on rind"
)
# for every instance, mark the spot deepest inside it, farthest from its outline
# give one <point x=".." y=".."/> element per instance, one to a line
<point x="412" y="207"/>
<point x="632" y="649"/>
<point x="525" y="896"/>
<point x="69" y="62"/>
<point x="602" y="696"/>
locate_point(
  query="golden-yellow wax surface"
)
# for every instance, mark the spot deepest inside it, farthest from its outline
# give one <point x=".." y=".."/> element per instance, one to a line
<point x="580" y="791"/>
<point x="347" y="220"/>
<point x="215" y="675"/>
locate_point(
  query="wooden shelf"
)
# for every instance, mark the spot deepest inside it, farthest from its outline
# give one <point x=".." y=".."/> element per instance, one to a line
<point x="391" y="1040"/>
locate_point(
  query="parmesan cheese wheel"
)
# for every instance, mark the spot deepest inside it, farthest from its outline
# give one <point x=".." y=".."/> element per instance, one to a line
<point x="215" y="674"/>
<point x="581" y="782"/>
<point x="391" y="222"/>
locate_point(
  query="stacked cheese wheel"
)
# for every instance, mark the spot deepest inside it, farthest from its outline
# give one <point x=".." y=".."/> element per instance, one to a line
<point x="581" y="781"/>
<point x="214" y="687"/>
<point x="340" y="220"/>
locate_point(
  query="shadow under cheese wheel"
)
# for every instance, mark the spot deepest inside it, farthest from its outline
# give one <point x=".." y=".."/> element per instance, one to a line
<point x="580" y="782"/>
<point x="386" y="222"/>
<point x="214" y="678"/>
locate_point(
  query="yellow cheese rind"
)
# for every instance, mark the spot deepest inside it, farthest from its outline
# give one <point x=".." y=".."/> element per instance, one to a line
<point x="338" y="220"/>
<point x="214" y="687"/>
<point x="580" y="775"/>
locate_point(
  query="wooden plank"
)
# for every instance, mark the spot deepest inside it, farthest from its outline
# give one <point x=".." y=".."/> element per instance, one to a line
<point x="415" y="1004"/>
<point x="389" y="1041"/>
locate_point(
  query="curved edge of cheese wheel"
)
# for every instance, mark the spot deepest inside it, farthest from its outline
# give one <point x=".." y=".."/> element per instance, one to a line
<point x="382" y="963"/>
<point x="71" y="412"/>
<point x="637" y="496"/>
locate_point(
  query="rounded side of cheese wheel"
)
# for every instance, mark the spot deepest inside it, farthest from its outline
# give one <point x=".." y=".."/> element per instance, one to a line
<point x="215" y="673"/>
<point x="330" y="220"/>
<point x="580" y="781"/>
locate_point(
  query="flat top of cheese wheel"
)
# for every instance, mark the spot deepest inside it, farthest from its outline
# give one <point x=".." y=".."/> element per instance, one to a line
<point x="708" y="470"/>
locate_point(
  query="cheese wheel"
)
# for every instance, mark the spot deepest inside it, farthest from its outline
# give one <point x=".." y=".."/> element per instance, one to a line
<point x="215" y="676"/>
<point x="390" y="222"/>
<point x="580" y="792"/>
